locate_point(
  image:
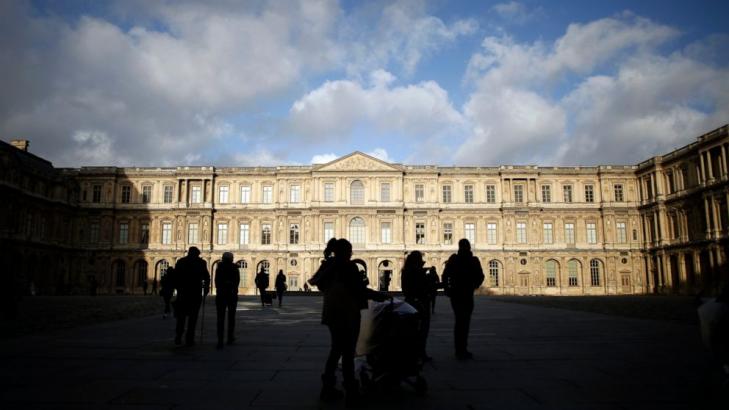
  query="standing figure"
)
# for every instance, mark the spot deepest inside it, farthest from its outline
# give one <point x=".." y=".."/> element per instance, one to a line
<point x="416" y="289"/>
<point x="154" y="286"/>
<point x="262" y="283"/>
<point x="434" y="284"/>
<point x="192" y="282"/>
<point x="227" y="279"/>
<point x="168" y="288"/>
<point x="280" y="286"/>
<point x="461" y="277"/>
<point x="145" y="284"/>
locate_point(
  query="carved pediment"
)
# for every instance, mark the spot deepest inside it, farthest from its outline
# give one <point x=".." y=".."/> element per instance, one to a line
<point x="357" y="161"/>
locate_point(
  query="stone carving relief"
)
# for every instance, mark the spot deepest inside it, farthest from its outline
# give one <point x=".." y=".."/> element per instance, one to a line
<point x="357" y="162"/>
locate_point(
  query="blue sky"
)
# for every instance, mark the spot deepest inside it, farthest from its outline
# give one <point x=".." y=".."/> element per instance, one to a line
<point x="240" y="83"/>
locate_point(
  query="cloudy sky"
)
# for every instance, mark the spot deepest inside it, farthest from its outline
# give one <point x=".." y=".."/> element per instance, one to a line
<point x="240" y="83"/>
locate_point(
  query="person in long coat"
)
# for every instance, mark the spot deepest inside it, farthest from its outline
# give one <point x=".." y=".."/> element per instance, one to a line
<point x="192" y="283"/>
<point x="280" y="285"/>
<point x="417" y="292"/>
<point x="262" y="283"/>
<point x="227" y="279"/>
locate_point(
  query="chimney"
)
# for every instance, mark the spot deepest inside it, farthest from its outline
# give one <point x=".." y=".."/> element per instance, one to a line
<point x="20" y="144"/>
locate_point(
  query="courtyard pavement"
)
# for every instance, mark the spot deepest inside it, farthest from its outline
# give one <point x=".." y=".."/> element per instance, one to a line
<point x="526" y="357"/>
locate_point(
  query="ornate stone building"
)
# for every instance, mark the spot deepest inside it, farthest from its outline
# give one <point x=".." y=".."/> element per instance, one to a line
<point x="654" y="227"/>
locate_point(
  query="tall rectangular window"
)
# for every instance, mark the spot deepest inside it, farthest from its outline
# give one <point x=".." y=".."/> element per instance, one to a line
<point x="419" y="193"/>
<point x="548" y="237"/>
<point x="267" y="194"/>
<point x="591" y="232"/>
<point x="468" y="194"/>
<point x="146" y="194"/>
<point x="328" y="231"/>
<point x="491" y="194"/>
<point x="144" y="233"/>
<point x="567" y="192"/>
<point x="470" y="232"/>
<point x="546" y="193"/>
<point x="420" y="232"/>
<point x="518" y="193"/>
<point x="96" y="194"/>
<point x="223" y="197"/>
<point x="295" y="194"/>
<point x="168" y="194"/>
<point x="385" y="192"/>
<point x="491" y="233"/>
<point x="94" y="233"/>
<point x="329" y="192"/>
<point x="192" y="231"/>
<point x="123" y="233"/>
<point x="447" y="233"/>
<point x="196" y="195"/>
<point x="521" y="232"/>
<point x="572" y="272"/>
<point x="245" y="234"/>
<point x="446" y="194"/>
<point x="621" y="233"/>
<point x="222" y="234"/>
<point x="618" y="190"/>
<point x="126" y="194"/>
<point x="386" y="232"/>
<point x="166" y="233"/>
<point x="589" y="193"/>
<point x="245" y="194"/>
<point x="265" y="234"/>
<point x="550" y="272"/>
<point x="569" y="233"/>
<point x="294" y="234"/>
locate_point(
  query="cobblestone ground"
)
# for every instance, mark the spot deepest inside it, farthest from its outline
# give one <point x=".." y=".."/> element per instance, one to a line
<point x="526" y="357"/>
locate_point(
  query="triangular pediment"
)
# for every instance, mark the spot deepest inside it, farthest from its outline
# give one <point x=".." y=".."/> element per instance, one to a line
<point x="357" y="161"/>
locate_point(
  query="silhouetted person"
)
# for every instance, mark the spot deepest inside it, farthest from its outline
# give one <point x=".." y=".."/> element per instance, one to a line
<point x="192" y="282"/>
<point x="227" y="279"/>
<point x="280" y="285"/>
<point x="434" y="284"/>
<point x="262" y="283"/>
<point x="167" y="289"/>
<point x="345" y="294"/>
<point x="145" y="285"/>
<point x="154" y="286"/>
<point x="416" y="289"/>
<point x="461" y="277"/>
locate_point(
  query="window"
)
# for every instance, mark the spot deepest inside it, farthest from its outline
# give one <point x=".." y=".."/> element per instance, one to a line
<point x="121" y="270"/>
<point x="357" y="231"/>
<point x="295" y="194"/>
<point x="670" y="182"/>
<point x="385" y="192"/>
<point x="94" y="233"/>
<point x="242" y="267"/>
<point x="294" y="234"/>
<point x="591" y="232"/>
<point x="265" y="234"/>
<point x="329" y="192"/>
<point x="546" y="193"/>
<point x="518" y="193"/>
<point x="328" y="231"/>
<point x="589" y="193"/>
<point x="491" y="233"/>
<point x="635" y="234"/>
<point x="521" y="233"/>
<point x="126" y="194"/>
<point x="223" y="194"/>
<point x="146" y="194"/>
<point x="192" y="231"/>
<point x="356" y="193"/>
<point x="267" y="194"/>
<point x="548" y="237"/>
<point x="222" y="234"/>
<point x="166" y="233"/>
<point x="245" y="234"/>
<point x="470" y="232"/>
<point x="123" y="233"/>
<point x="386" y="232"/>
<point x="567" y="192"/>
<point x="468" y="194"/>
<point x="572" y="268"/>
<point x="494" y="269"/>
<point x="419" y="193"/>
<point x="569" y="233"/>
<point x="620" y="231"/>
<point x="196" y="196"/>
<point x="420" y="233"/>
<point x="168" y="194"/>
<point x="618" y="189"/>
<point x="491" y="194"/>
<point x="595" y="272"/>
<point x="144" y="233"/>
<point x="448" y="233"/>
<point x="96" y="195"/>
<point x="550" y="271"/>
<point x="446" y="194"/>
<point x="245" y="194"/>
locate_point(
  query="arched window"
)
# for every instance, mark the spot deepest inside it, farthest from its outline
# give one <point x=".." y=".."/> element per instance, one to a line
<point x="263" y="264"/>
<point x="162" y="267"/>
<point x="357" y="230"/>
<point x="356" y="193"/>
<point x="141" y="269"/>
<point x="595" y="272"/>
<point x="242" y="270"/>
<point x="550" y="268"/>
<point x="494" y="270"/>
<point x="573" y="272"/>
<point x="120" y="271"/>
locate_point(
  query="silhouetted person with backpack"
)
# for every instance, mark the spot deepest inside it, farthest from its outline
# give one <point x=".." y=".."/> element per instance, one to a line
<point x="227" y="279"/>
<point x="461" y="277"/>
<point x="192" y="283"/>
<point x="280" y="286"/>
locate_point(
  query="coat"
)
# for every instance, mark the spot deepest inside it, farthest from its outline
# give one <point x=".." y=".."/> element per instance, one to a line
<point x="227" y="279"/>
<point x="345" y="294"/>
<point x="462" y="275"/>
<point x="191" y="279"/>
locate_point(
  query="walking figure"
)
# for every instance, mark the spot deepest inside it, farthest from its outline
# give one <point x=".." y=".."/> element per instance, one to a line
<point x="280" y="286"/>
<point x="417" y="291"/>
<point x="461" y="277"/>
<point x="144" y="287"/>
<point x="434" y="284"/>
<point x="192" y="282"/>
<point x="154" y="286"/>
<point x="262" y="283"/>
<point x="227" y="279"/>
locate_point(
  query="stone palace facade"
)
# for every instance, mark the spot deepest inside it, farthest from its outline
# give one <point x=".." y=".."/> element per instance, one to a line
<point x="655" y="227"/>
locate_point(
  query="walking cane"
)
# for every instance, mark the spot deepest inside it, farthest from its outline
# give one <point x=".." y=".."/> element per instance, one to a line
<point x="202" y="320"/>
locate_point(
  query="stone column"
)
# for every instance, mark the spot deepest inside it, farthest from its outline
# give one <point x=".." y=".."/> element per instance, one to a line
<point x="707" y="215"/>
<point x="708" y="165"/>
<point x="702" y="174"/>
<point x="723" y="161"/>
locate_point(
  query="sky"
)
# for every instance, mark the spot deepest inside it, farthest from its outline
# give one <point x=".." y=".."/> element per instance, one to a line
<point x="284" y="82"/>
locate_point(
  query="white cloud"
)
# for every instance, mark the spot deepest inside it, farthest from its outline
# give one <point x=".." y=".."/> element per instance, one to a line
<point x="323" y="158"/>
<point x="381" y="154"/>
<point x="516" y="12"/>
